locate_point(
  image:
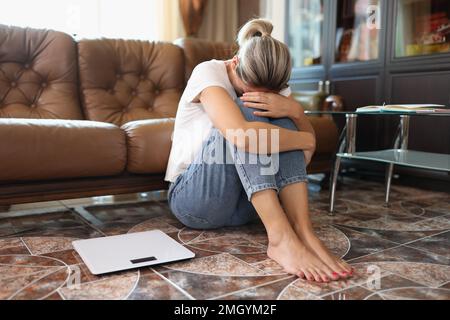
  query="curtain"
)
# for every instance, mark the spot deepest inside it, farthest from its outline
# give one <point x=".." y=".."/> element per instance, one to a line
<point x="170" y="22"/>
<point x="220" y="22"/>
<point x="192" y="15"/>
<point x="275" y="11"/>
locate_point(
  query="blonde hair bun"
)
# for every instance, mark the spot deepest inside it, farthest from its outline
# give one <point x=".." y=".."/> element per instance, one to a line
<point x="254" y="28"/>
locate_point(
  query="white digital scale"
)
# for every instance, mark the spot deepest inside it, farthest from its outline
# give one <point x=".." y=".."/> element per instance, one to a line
<point x="129" y="251"/>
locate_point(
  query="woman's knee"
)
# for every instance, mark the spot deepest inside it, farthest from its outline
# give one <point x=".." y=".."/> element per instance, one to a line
<point x="285" y="123"/>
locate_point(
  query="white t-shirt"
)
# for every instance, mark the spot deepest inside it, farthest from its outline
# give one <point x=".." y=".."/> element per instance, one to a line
<point x="192" y="124"/>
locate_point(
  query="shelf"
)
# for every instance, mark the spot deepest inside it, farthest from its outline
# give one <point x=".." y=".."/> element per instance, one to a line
<point x="409" y="158"/>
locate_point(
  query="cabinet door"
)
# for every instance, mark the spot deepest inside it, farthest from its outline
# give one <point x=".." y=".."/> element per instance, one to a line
<point x="358" y="31"/>
<point x="360" y="91"/>
<point x="305" y="37"/>
<point x="305" y="32"/>
<point x="422" y="27"/>
<point x="430" y="134"/>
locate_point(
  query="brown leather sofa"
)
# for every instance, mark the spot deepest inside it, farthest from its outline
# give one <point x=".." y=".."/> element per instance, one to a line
<point x="95" y="117"/>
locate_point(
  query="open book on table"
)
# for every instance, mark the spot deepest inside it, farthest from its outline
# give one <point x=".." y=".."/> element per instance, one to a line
<point x="405" y="108"/>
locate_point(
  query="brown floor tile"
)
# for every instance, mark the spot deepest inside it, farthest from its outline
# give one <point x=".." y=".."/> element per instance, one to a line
<point x="390" y="281"/>
<point x="153" y="287"/>
<point x="223" y="264"/>
<point x="54" y="297"/>
<point x="406" y="242"/>
<point x="69" y="257"/>
<point x="404" y="254"/>
<point x="362" y="244"/>
<point x="446" y="286"/>
<point x="266" y="292"/>
<point x="269" y="266"/>
<point x="14" y="251"/>
<point x="112" y="287"/>
<point x="414" y="294"/>
<point x="41" y="288"/>
<point x="362" y="276"/>
<point x="11" y="246"/>
<point x="252" y="258"/>
<point x="399" y="237"/>
<point x="130" y="212"/>
<point x="201" y="286"/>
<point x="426" y="274"/>
<point x="43" y="245"/>
<point x="30" y="277"/>
<point x="55" y="224"/>
<point x="294" y="293"/>
<point x="354" y="293"/>
<point x="438" y="244"/>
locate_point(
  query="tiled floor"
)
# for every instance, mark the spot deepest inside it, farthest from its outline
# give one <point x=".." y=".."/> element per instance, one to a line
<point x="407" y="244"/>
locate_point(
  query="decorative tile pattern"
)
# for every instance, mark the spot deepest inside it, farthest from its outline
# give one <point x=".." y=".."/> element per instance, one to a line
<point x="220" y="264"/>
<point x="111" y="288"/>
<point x="40" y="245"/>
<point x="412" y="293"/>
<point x="399" y="252"/>
<point x="30" y="277"/>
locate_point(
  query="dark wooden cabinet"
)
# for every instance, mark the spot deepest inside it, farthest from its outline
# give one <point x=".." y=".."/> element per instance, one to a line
<point x="375" y="52"/>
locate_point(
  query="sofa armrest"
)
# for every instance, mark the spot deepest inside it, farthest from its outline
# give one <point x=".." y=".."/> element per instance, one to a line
<point x="149" y="143"/>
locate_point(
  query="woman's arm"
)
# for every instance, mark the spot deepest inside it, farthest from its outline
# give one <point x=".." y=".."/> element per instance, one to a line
<point x="228" y="119"/>
<point x="303" y="124"/>
<point x="298" y="116"/>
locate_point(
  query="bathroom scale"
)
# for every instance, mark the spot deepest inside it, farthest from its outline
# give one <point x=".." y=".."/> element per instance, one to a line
<point x="129" y="251"/>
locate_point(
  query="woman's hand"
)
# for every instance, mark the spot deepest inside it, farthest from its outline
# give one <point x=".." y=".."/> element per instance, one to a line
<point x="272" y="105"/>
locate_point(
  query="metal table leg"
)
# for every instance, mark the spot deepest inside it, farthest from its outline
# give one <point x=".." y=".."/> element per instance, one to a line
<point x="402" y="139"/>
<point x="348" y="144"/>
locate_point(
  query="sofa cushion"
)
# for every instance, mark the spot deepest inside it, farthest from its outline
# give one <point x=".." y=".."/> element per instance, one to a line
<point x="326" y="135"/>
<point x="51" y="149"/>
<point x="128" y="80"/>
<point x="38" y="74"/>
<point x="197" y="51"/>
<point x="148" y="143"/>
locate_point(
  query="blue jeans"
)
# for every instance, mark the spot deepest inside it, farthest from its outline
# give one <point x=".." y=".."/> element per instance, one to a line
<point x="211" y="195"/>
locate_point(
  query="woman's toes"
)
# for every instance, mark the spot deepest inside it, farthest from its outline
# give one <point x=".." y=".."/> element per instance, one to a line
<point x="329" y="274"/>
<point x="325" y="278"/>
<point x="345" y="266"/>
<point x="323" y="274"/>
<point x="340" y="270"/>
<point x="345" y="275"/>
<point x="308" y="276"/>
<point x="335" y="276"/>
<point x="316" y="276"/>
<point x="301" y="275"/>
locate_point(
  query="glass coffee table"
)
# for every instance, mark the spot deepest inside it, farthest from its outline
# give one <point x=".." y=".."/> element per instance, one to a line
<point x="398" y="155"/>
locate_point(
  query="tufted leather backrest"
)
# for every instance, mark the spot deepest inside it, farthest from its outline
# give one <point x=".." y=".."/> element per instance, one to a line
<point x="128" y="80"/>
<point x="198" y="50"/>
<point x="38" y="74"/>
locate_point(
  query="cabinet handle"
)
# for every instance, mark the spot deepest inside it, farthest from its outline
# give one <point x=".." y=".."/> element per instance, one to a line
<point x="327" y="87"/>
<point x="320" y="89"/>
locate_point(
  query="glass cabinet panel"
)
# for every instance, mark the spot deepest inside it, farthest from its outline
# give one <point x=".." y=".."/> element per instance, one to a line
<point x="305" y="23"/>
<point x="357" y="30"/>
<point x="422" y="27"/>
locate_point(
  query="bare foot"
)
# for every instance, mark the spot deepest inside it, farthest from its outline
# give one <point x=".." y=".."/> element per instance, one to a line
<point x="314" y="244"/>
<point x="288" y="251"/>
